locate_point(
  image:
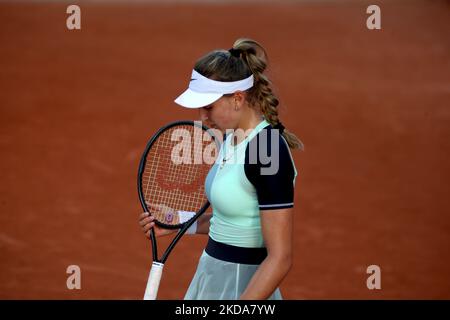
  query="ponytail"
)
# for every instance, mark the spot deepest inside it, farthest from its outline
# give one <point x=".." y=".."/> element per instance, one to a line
<point x="261" y="94"/>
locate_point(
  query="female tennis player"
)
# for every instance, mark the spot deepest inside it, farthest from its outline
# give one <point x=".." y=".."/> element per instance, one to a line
<point x="251" y="185"/>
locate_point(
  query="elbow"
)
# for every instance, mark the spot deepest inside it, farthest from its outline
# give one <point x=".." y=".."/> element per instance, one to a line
<point x="283" y="260"/>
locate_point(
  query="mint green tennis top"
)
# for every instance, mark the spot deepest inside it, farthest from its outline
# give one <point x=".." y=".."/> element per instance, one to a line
<point x="257" y="174"/>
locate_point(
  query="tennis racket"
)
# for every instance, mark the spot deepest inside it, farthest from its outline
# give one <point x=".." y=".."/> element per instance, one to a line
<point x="171" y="179"/>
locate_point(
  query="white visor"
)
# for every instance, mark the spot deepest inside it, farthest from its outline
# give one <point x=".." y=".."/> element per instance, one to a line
<point x="203" y="91"/>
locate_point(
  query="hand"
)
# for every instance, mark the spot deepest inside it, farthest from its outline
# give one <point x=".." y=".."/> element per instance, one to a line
<point x="147" y="221"/>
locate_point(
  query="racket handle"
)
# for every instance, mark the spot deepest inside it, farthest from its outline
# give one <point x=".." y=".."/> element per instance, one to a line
<point x="153" y="281"/>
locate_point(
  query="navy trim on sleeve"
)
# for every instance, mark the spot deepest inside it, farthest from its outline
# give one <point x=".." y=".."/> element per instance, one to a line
<point x="268" y="166"/>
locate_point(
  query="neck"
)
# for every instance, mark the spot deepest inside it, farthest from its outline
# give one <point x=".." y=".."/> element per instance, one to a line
<point x="247" y="123"/>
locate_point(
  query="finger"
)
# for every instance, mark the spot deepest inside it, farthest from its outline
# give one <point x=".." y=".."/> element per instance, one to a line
<point x="147" y="234"/>
<point x="143" y="215"/>
<point x="148" y="226"/>
<point x="145" y="218"/>
<point x="144" y="221"/>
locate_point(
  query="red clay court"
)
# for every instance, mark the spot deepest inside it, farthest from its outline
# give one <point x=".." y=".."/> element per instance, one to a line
<point x="371" y="106"/>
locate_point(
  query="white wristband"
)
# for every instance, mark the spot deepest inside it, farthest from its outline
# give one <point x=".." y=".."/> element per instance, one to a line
<point x="192" y="229"/>
<point x="186" y="216"/>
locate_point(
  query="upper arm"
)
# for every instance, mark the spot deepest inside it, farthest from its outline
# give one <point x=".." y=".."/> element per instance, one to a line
<point x="277" y="232"/>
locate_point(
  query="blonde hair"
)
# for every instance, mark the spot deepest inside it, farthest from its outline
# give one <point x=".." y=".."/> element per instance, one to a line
<point x="248" y="58"/>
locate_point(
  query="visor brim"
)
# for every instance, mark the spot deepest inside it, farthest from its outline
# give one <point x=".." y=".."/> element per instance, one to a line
<point x="191" y="99"/>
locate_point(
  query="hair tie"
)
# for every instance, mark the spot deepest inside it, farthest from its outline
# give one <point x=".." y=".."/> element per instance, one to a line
<point x="235" y="52"/>
<point x="280" y="127"/>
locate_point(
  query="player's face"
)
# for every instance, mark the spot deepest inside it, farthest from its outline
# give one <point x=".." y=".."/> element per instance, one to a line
<point x="221" y="114"/>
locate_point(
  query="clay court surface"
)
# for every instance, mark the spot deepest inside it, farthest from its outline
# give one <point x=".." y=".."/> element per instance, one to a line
<point x="372" y="108"/>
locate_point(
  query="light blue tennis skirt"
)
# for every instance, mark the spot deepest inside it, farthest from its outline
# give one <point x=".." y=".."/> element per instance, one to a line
<point x="221" y="280"/>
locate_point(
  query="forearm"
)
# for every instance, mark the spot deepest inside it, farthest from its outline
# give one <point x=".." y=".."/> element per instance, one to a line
<point x="267" y="278"/>
<point x="203" y="223"/>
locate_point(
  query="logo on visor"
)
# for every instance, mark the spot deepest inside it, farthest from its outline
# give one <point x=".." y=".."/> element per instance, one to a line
<point x="193" y="79"/>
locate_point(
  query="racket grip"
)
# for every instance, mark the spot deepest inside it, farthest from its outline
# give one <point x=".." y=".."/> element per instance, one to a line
<point x="153" y="281"/>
